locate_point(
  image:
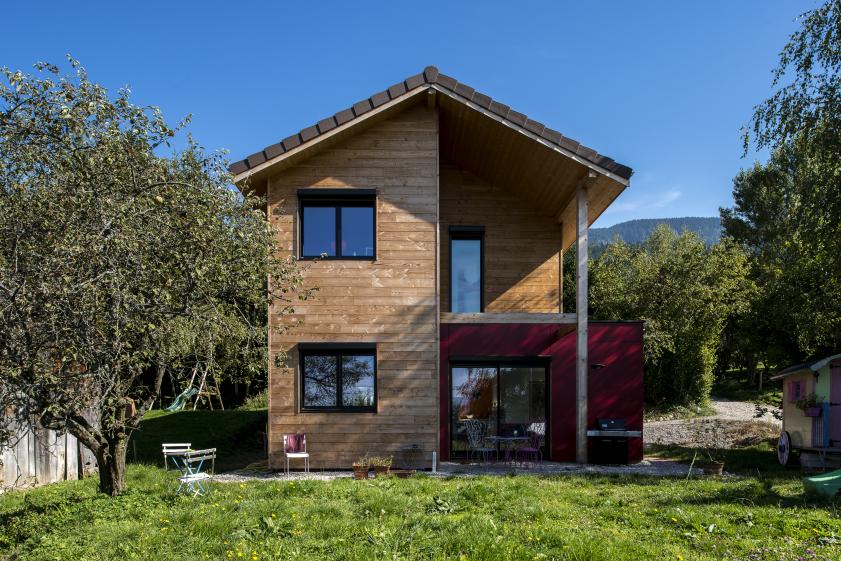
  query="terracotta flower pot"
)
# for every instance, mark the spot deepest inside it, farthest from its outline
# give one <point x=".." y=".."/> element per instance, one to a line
<point x="360" y="472"/>
<point x="381" y="470"/>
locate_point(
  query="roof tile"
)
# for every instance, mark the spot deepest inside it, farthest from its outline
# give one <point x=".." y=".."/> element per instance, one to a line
<point x="499" y="108"/>
<point x="327" y="124"/>
<point x="516" y="117"/>
<point x="397" y="90"/>
<point x="430" y="73"/>
<point x="361" y="107"/>
<point x="569" y="144"/>
<point x="274" y="151"/>
<point x="534" y="126"/>
<point x="237" y="168"/>
<point x="291" y="142"/>
<point x="413" y="82"/>
<point x="447" y="81"/>
<point x="481" y="100"/>
<point x="552" y="135"/>
<point x="309" y="133"/>
<point x="586" y="153"/>
<point x="344" y="116"/>
<point x="379" y="98"/>
<point x="256" y="159"/>
<point x="465" y="91"/>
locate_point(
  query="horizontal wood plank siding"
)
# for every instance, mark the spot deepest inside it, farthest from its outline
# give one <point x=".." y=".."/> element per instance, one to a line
<point x="521" y="243"/>
<point x="390" y="301"/>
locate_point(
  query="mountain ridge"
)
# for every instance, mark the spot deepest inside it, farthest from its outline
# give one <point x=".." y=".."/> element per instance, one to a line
<point x="636" y="231"/>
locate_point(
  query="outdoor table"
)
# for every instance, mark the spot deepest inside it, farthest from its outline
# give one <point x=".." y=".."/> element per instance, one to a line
<point x="512" y="444"/>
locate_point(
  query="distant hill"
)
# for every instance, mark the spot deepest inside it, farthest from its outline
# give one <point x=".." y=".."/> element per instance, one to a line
<point x="636" y="231"/>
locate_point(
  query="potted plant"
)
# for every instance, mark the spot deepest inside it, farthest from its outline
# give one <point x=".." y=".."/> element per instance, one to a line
<point x="810" y="405"/>
<point x="360" y="468"/>
<point x="381" y="465"/>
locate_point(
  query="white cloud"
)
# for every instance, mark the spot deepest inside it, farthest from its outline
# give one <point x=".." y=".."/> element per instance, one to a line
<point x="659" y="200"/>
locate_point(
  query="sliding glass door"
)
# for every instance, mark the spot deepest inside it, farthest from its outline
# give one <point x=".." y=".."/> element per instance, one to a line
<point x="507" y="399"/>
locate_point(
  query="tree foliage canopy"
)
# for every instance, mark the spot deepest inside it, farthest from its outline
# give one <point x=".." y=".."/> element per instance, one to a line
<point x="114" y="259"/>
<point x="787" y="212"/>
<point x="684" y="290"/>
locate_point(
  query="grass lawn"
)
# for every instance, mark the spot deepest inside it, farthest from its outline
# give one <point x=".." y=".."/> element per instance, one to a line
<point x="526" y="517"/>
<point x="236" y="434"/>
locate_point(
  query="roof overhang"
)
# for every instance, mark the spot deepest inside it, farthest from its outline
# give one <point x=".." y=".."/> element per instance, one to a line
<point x="501" y="145"/>
<point x="813" y="366"/>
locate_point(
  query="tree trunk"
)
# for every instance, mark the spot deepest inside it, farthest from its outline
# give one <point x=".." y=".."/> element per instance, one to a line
<point x="112" y="466"/>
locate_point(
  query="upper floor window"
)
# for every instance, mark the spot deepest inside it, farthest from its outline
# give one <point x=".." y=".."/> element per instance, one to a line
<point x="338" y="223"/>
<point x="466" y="269"/>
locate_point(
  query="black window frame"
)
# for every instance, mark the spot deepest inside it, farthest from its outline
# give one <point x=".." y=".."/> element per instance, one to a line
<point x="338" y="350"/>
<point x="469" y="233"/>
<point x="338" y="199"/>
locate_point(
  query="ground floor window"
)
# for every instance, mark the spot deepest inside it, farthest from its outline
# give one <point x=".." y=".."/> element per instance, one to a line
<point x="340" y="378"/>
<point x="498" y="399"/>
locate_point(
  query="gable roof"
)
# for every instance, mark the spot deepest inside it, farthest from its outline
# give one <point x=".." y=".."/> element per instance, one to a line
<point x="431" y="79"/>
<point x="813" y="365"/>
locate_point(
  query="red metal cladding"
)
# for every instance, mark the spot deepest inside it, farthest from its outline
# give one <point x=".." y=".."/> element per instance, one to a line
<point x="615" y="382"/>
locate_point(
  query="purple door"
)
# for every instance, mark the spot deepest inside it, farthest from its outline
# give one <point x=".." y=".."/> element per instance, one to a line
<point x="835" y="406"/>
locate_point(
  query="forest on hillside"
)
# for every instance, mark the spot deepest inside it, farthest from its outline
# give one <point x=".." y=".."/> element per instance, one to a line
<point x="708" y="228"/>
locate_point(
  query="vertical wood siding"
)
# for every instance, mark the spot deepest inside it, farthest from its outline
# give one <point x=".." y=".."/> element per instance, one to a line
<point x="37" y="456"/>
<point x="390" y="301"/>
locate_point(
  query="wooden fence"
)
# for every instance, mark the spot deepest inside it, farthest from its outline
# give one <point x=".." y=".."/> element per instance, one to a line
<point x="36" y="456"/>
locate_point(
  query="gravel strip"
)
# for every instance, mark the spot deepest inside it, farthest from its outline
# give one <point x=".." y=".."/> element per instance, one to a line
<point x="649" y="466"/>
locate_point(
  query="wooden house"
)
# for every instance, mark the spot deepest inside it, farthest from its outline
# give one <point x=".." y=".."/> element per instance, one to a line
<point x="433" y="220"/>
<point x="811" y="413"/>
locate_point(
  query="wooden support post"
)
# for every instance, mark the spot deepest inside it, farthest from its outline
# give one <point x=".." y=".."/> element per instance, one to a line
<point x="581" y="360"/>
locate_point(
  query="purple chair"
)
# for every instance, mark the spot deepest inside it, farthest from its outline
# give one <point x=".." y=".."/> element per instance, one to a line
<point x="533" y="451"/>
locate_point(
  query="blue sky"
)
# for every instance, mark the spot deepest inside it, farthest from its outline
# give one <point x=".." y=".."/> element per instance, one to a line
<point x="661" y="86"/>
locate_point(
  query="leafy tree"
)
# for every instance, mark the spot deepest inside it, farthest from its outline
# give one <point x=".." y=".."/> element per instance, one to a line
<point x="115" y="260"/>
<point x="787" y="212"/>
<point x="684" y="290"/>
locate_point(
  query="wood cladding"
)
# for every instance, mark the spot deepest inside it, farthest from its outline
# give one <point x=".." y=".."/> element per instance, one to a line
<point x="521" y="244"/>
<point x="391" y="301"/>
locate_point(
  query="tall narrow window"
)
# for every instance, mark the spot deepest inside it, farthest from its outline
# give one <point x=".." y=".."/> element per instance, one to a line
<point x="337" y="223"/>
<point x="338" y="378"/>
<point x="466" y="269"/>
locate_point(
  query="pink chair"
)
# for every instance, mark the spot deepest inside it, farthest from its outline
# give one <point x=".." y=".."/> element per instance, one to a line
<point x="295" y="446"/>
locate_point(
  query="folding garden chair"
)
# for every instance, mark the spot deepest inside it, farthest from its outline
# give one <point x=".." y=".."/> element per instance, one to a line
<point x="173" y="449"/>
<point x="193" y="478"/>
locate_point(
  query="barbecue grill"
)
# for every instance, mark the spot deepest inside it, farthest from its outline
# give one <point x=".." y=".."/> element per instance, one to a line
<point x="609" y="441"/>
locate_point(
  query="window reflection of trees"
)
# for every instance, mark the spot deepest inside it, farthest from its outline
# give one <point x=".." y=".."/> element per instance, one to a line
<point x="320" y="377"/>
<point x="357" y="381"/>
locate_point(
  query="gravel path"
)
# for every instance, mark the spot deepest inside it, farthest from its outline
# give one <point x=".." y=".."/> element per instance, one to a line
<point x="649" y="466"/>
<point x="734" y="424"/>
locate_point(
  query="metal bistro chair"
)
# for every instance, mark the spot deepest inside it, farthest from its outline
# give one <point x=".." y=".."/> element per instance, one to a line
<point x="295" y="446"/>
<point x="173" y="449"/>
<point x="477" y="432"/>
<point x="193" y="476"/>
<point x="534" y="449"/>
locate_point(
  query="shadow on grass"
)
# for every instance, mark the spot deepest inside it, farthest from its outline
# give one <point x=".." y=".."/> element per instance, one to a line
<point x="237" y="435"/>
